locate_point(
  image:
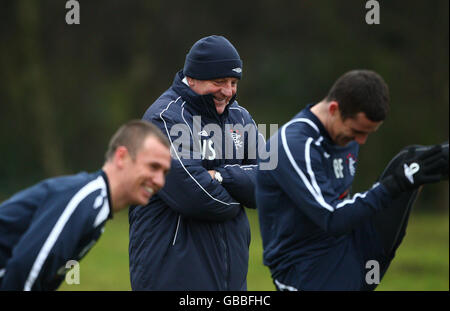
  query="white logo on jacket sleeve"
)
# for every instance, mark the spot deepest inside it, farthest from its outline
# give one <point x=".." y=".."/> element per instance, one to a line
<point x="411" y="170"/>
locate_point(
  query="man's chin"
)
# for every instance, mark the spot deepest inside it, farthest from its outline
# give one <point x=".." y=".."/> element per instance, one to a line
<point x="343" y="142"/>
<point x="220" y="108"/>
<point x="144" y="200"/>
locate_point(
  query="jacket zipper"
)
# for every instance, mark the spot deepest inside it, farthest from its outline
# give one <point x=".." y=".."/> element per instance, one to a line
<point x="222" y="226"/>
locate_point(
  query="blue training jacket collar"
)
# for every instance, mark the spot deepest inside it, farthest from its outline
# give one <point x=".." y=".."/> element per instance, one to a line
<point x="315" y="119"/>
<point x="105" y="177"/>
<point x="198" y="104"/>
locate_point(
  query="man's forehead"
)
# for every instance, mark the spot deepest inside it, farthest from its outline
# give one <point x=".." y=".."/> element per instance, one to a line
<point x="152" y="143"/>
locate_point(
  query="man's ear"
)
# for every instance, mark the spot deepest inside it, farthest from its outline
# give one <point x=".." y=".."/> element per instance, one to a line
<point x="120" y="156"/>
<point x="190" y="81"/>
<point x="333" y="107"/>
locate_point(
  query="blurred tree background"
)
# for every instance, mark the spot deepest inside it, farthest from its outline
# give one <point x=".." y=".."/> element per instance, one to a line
<point x="64" y="89"/>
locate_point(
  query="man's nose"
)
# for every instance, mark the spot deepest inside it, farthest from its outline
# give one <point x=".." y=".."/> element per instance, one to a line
<point x="227" y="90"/>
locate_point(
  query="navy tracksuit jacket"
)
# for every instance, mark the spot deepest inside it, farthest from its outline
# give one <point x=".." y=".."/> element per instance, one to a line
<point x="194" y="233"/>
<point x="316" y="237"/>
<point x="48" y="224"/>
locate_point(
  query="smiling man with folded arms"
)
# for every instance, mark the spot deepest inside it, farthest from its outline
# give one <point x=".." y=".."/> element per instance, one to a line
<point x="194" y="234"/>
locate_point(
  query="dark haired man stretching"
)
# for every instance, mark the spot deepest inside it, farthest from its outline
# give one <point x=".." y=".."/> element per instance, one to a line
<point x="316" y="237"/>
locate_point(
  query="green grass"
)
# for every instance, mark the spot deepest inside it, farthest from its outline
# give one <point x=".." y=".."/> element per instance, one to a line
<point x="421" y="263"/>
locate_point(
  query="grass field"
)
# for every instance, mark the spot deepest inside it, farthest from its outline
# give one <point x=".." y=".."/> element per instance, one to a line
<point x="422" y="261"/>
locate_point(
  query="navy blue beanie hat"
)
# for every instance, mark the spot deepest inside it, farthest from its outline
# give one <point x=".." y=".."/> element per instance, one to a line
<point x="211" y="58"/>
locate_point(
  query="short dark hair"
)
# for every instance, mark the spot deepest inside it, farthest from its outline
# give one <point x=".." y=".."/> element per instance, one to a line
<point x="361" y="91"/>
<point x="131" y="135"/>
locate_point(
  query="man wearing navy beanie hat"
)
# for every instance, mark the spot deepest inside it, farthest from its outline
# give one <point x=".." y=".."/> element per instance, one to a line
<point x="213" y="66"/>
<point x="194" y="234"/>
<point x="213" y="57"/>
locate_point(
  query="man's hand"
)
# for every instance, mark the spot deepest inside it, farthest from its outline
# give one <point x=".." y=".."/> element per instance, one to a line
<point x="212" y="172"/>
<point x="417" y="169"/>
